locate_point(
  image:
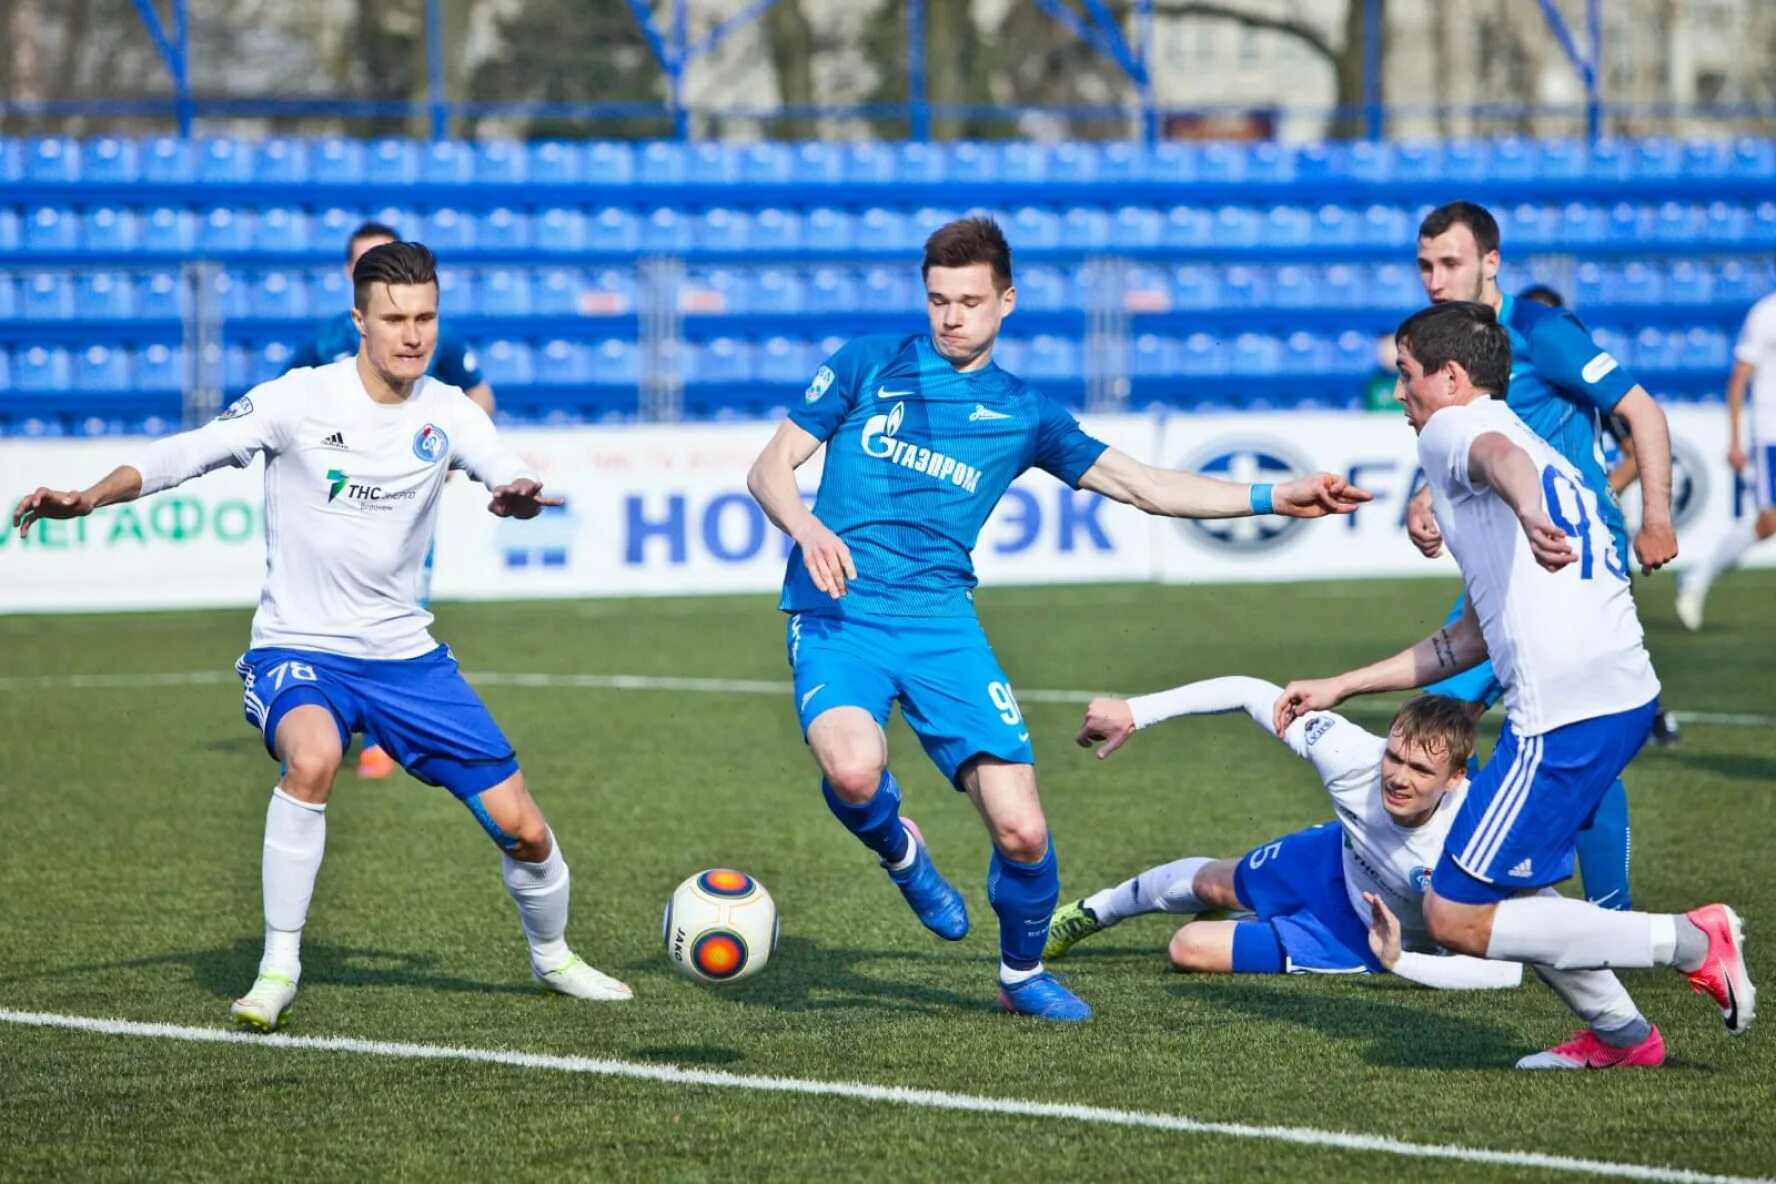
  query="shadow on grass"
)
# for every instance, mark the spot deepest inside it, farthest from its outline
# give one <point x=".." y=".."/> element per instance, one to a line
<point x="1730" y="765"/>
<point x="802" y="967"/>
<point x="228" y="970"/>
<point x="1397" y="1035"/>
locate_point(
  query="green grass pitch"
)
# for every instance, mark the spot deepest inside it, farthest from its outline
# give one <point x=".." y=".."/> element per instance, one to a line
<point x="129" y="889"/>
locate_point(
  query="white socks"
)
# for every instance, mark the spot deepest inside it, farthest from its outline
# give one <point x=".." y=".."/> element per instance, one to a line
<point x="1163" y="889"/>
<point x="1599" y="998"/>
<point x="1726" y="553"/>
<point x="295" y="839"/>
<point x="1550" y="930"/>
<point x="540" y="890"/>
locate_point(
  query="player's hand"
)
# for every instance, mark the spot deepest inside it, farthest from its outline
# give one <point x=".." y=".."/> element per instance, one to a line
<point x="1736" y="458"/>
<point x="826" y="557"/>
<point x="1548" y="543"/>
<point x="1421" y="526"/>
<point x="1303" y="697"/>
<point x="1384" y="931"/>
<point x="1655" y="546"/>
<point x="523" y="498"/>
<point x="1316" y="496"/>
<point x="48" y="503"/>
<point x="1109" y="721"/>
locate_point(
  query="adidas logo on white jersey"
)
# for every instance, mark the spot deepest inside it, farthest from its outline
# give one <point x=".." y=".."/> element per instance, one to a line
<point x="1522" y="869"/>
<point x="336" y="440"/>
<point x="982" y="412"/>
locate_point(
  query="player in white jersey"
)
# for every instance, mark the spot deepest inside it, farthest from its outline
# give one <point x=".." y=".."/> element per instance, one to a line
<point x="1548" y="599"/>
<point x="356" y="453"/>
<point x="1325" y="898"/>
<point x="1754" y="369"/>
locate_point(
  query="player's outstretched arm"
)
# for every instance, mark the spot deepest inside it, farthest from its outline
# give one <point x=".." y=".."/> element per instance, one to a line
<point x="522" y="498"/>
<point x="1448" y="651"/>
<point x="1509" y="471"/>
<point x="1110" y="722"/>
<point x="122" y="484"/>
<point x="1656" y="544"/>
<point x="1170" y="493"/>
<point x="772" y="483"/>
<point x="1452" y="972"/>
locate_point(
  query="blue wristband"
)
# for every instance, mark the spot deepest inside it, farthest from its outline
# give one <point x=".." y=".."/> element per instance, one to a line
<point x="1261" y="498"/>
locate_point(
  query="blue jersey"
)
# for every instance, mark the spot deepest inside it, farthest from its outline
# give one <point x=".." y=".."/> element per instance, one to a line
<point x="1564" y="386"/>
<point x="917" y="456"/>
<point x="452" y="361"/>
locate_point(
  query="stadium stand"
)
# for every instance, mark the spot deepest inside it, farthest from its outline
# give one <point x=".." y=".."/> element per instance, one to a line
<point x="1237" y="275"/>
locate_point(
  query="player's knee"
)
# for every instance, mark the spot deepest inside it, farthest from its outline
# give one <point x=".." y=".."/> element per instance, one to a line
<point x="1188" y="952"/>
<point x="854" y="776"/>
<point x="1024" y="840"/>
<point x="308" y="774"/>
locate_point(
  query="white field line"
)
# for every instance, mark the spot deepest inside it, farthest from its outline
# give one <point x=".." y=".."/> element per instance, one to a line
<point x="926" y="1098"/>
<point x="651" y="682"/>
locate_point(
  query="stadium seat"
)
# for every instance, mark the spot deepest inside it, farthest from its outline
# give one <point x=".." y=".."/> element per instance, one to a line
<point x="281" y="230"/>
<point x="1219" y="162"/>
<point x="1243" y="287"/>
<point x="446" y="162"/>
<point x="101" y="368"/>
<point x="779" y="359"/>
<point x="560" y="162"/>
<point x="925" y="221"/>
<point x="505" y="292"/>
<point x="721" y="360"/>
<point x="157" y="295"/>
<point x="159" y="368"/>
<point x="448" y="230"/>
<point x="830" y="230"/>
<point x="5" y="370"/>
<point x="276" y="294"/>
<point x="607" y="293"/>
<point x="1189" y="226"/>
<point x="764" y="162"/>
<point x="1737" y="283"/>
<point x="566" y="231"/>
<point x="888" y="289"/>
<point x="867" y="162"/>
<point x="47" y="296"/>
<point x="918" y="163"/>
<point x="1396" y="286"/>
<point x="1052" y="358"/>
<point x="774" y="290"/>
<point x="51" y="228"/>
<point x="51" y="160"/>
<point x="40" y="368"/>
<point x="1580" y="223"/>
<point x="336" y="161"/>
<point x="1173" y="162"/>
<point x="1514" y="160"/>
<point x="1353" y="352"/>
<point x="836" y="288"/>
<point x="104" y="296"/>
<point x="1010" y="353"/>
<point x="8" y="297"/>
<point x="507" y="363"/>
<point x="1754" y="157"/>
<point x="9" y="230"/>
<point x="1040" y="288"/>
<point x="108" y="159"/>
<point x="1387" y="226"/>
<point x="1287" y="226"/>
<point x="502" y="229"/>
<point x="1085" y="228"/>
<point x="1465" y="160"/>
<point x="280" y="160"/>
<point x="167" y="160"/>
<point x="1656" y="349"/>
<point x="1137" y="228"/>
<point x="391" y="162"/>
<point x="560" y="363"/>
<point x="658" y="162"/>
<point x="224" y="229"/>
<point x="230" y="294"/>
<point x="498" y="162"/>
<point x="883" y="232"/>
<point x="1296" y="287"/>
<point x="1153" y="356"/>
<point x="224" y="161"/>
<point x="815" y="164"/>
<point x="459" y="293"/>
<point x="714" y="291"/>
<point x="11" y="160"/>
<point x="1707" y="349"/>
<point x="1255" y="353"/>
<point x="778" y="230"/>
<point x="1194" y="287"/>
<point x="666" y="229"/>
<point x="1565" y="160"/>
<point x="1237" y="226"/>
<point x="1022" y="162"/>
<point x="1203" y="356"/>
<point x="1337" y="226"/>
<point x="1688" y="283"/>
<point x="1033" y="228"/>
<point x="108" y="229"/>
<point x="721" y="229"/>
<point x="616" y="361"/>
<point x="711" y="162"/>
<point x="329" y="291"/>
<point x="972" y="159"/>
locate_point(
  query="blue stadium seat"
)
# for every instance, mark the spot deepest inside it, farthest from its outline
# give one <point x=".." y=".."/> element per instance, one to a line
<point x="1369" y="160"/>
<point x="1513" y="160"/>
<point x="101" y="368"/>
<point x="502" y="229"/>
<point x="779" y="359"/>
<point x="336" y="161"/>
<point x="1528" y="226"/>
<point x="714" y="291"/>
<point x="1708" y="349"/>
<point x="277" y="294"/>
<point x="711" y="162"/>
<point x="507" y="363"/>
<point x="658" y="162"/>
<point x="1591" y="285"/>
<point x="1565" y="160"/>
<point x="1754" y="157"/>
<point x="1134" y="228"/>
<point x="498" y="162"/>
<point x="1724" y="224"/>
<point x="391" y="161"/>
<point x="1320" y="161"/>
<point x="280" y="160"/>
<point x="505" y="292"/>
<point x="565" y="230"/>
<point x="835" y="288"/>
<point x="778" y="230"/>
<point x="329" y="291"/>
<point x="1706" y="159"/>
<point x="1220" y="162"/>
<point x="1417" y="160"/>
<point x="1736" y="282"/>
<point x="1195" y="287"/>
<point x="1269" y="162"/>
<point x="46" y="296"/>
<point x="616" y="361"/>
<point x="159" y="368"/>
<point x="224" y="161"/>
<point x="1307" y="353"/>
<point x="1153" y="356"/>
<point x="11" y="160"/>
<point x="1388" y="226"/>
<point x="224" y="229"/>
<point x="231" y="293"/>
<point x="104" y="296"/>
<point x="867" y="162"/>
<point x="666" y="230"/>
<point x="1189" y="226"/>
<point x="1287" y="226"/>
<point x="925" y="221"/>
<point x="1040" y="288"/>
<point x="1010" y="353"/>
<point x="448" y="230"/>
<point x="108" y="159"/>
<point x="1583" y="223"/>
<point x="1661" y="159"/>
<point x="446" y="162"/>
<point x="815" y="164"/>
<point x="723" y="359"/>
<point x="1052" y="358"/>
<point x="1173" y="162"/>
<point x="721" y="229"/>
<point x="5" y="369"/>
<point x="167" y="160"/>
<point x="1655" y="349"/>
<point x="1119" y="161"/>
<point x="1296" y="287"/>
<point x="884" y="232"/>
<point x="8" y="297"/>
<point x="1255" y="353"/>
<point x="1203" y="356"/>
<point x="1396" y="286"/>
<point x="1023" y="162"/>
<point x="918" y="163"/>
<point x="562" y="363"/>
<point x="1337" y="226"/>
<point x="608" y="293"/>
<point x="1465" y="160"/>
<point x="775" y="290"/>
<point x="1608" y="160"/>
<point x="560" y="162"/>
<point x="238" y="367"/>
<point x="1761" y="227"/>
<point x="330" y="226"/>
<point x="459" y="294"/>
<point x="1688" y="283"/>
<point x="51" y="228"/>
<point x="108" y="229"/>
<point x="52" y="159"/>
<point x="280" y="229"/>
<point x="831" y="230"/>
<point x="1237" y="226"/>
<point x="972" y="160"/>
<point x="39" y="368"/>
<point x="1243" y="287"/>
<point x="1353" y="352"/>
<point x="765" y="163"/>
<point x="157" y="295"/>
<point x="9" y="230"/>
<point x="1033" y="228"/>
<point x="889" y="289"/>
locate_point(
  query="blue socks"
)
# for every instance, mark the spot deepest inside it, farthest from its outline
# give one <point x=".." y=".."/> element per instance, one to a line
<point x="1603" y="849"/>
<point x="876" y="823"/>
<point x="1024" y="896"/>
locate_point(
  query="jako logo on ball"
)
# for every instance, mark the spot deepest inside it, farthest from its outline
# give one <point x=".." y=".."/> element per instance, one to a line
<point x="720" y="926"/>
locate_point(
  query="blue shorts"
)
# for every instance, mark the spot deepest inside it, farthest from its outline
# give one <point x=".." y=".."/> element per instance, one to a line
<point x="420" y="710"/>
<point x="1516" y="827"/>
<point x="952" y="691"/>
<point x="1296" y="885"/>
<point x="1479" y="685"/>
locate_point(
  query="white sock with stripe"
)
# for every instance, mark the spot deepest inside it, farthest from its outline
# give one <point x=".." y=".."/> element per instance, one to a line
<point x="295" y="840"/>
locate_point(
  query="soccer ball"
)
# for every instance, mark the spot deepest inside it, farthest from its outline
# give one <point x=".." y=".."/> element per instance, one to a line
<point x="720" y="926"/>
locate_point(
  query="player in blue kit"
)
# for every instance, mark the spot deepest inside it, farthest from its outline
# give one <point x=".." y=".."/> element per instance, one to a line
<point x="1563" y="386"/>
<point x="923" y="435"/>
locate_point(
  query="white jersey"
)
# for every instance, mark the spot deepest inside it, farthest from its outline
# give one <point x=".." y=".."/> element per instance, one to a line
<point x="1566" y="644"/>
<point x="1381" y="857"/>
<point x="351" y="498"/>
<point x="1757" y="348"/>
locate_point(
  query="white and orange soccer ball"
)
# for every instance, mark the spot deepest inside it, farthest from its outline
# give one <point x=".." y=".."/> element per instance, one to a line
<point x="720" y="926"/>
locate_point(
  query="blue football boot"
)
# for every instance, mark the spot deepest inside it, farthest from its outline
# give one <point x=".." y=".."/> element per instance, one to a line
<point x="1045" y="998"/>
<point x="937" y="904"/>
